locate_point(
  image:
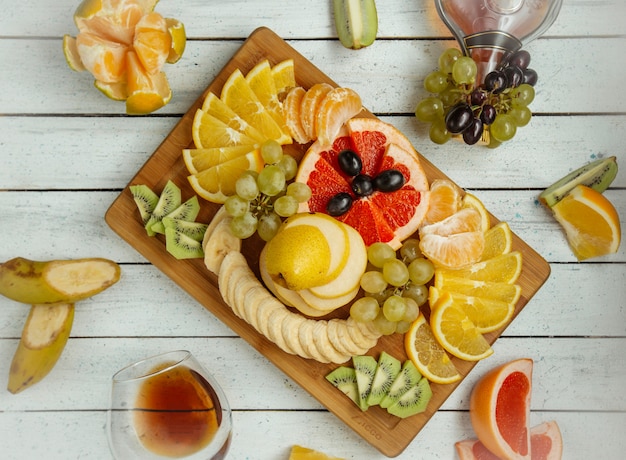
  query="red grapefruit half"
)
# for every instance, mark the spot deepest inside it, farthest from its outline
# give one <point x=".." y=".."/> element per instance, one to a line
<point x="500" y="409"/>
<point x="389" y="217"/>
<point x="546" y="443"/>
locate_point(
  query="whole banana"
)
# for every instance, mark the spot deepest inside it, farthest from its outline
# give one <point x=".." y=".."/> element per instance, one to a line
<point x="56" y="281"/>
<point x="44" y="336"/>
<point x="356" y="22"/>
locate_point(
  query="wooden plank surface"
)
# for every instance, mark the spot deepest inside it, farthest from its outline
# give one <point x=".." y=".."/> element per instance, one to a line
<point x="387" y="433"/>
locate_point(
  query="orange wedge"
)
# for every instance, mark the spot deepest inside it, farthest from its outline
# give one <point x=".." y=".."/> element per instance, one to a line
<point x="445" y="200"/>
<point x="590" y="222"/>
<point x="209" y="132"/>
<point x="284" y="76"/>
<point x="498" y="241"/>
<point x="198" y="160"/>
<point x="456" y="333"/>
<point x="428" y="356"/>
<point x="261" y="82"/>
<point x="504" y="292"/>
<point x="216" y="107"/>
<point x="471" y="201"/>
<point x="501" y="269"/>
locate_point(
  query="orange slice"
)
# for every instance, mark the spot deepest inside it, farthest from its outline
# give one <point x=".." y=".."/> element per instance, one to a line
<point x="590" y="222"/>
<point x="486" y="314"/>
<point x="500" y="409"/>
<point x="501" y="269"/>
<point x="445" y="200"/>
<point x="262" y="84"/>
<point x="339" y="105"/>
<point x="217" y="183"/>
<point x="214" y="106"/>
<point x="198" y="160"/>
<point x="428" y="356"/>
<point x="504" y="292"/>
<point x="455" y="331"/>
<point x="472" y="202"/>
<point x="498" y="241"/>
<point x="209" y="132"/>
<point x="284" y="76"/>
<point x="237" y="94"/>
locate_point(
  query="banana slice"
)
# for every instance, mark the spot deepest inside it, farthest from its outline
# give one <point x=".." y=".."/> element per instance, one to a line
<point x="289" y="331"/>
<point x="263" y="313"/>
<point x="338" y="335"/>
<point x="219" y="243"/>
<point x="323" y="345"/>
<point x="356" y="334"/>
<point x="305" y="335"/>
<point x="275" y="330"/>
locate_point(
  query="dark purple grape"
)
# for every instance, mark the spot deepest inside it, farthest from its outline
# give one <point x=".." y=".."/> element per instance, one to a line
<point x="339" y="204"/>
<point x="514" y="75"/>
<point x="495" y="81"/>
<point x="349" y="162"/>
<point x="530" y="77"/>
<point x="520" y="59"/>
<point x="459" y="118"/>
<point x="488" y="114"/>
<point x="473" y="134"/>
<point x="362" y="185"/>
<point x="478" y="97"/>
<point x="389" y="180"/>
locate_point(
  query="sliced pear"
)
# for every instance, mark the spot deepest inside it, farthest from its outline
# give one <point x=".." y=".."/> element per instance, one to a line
<point x="350" y="277"/>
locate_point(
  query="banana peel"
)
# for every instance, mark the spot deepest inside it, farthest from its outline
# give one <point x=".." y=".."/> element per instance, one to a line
<point x="57" y="281"/>
<point x="43" y="340"/>
<point x="356" y="22"/>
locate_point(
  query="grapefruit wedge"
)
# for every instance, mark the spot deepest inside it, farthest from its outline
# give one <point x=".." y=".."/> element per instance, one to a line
<point x="387" y="216"/>
<point x="546" y="443"/>
<point x="500" y="410"/>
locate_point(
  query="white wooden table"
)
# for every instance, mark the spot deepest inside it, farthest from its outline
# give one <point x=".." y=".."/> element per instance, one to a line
<point x="66" y="152"/>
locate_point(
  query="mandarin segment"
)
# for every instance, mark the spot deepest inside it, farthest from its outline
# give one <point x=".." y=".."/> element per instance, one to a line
<point x="310" y="107"/>
<point x="152" y="42"/>
<point x="292" y="106"/>
<point x="339" y="105"/>
<point x="445" y="200"/>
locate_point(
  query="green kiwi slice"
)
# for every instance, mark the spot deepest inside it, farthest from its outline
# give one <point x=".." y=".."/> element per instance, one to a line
<point x="387" y="370"/>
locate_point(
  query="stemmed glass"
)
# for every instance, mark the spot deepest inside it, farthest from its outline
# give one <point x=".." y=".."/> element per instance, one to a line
<point x="168" y="406"/>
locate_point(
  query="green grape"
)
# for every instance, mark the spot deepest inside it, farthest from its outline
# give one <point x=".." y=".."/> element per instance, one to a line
<point x="300" y="191"/>
<point x="395" y="272"/>
<point x="402" y="327"/>
<point x="364" y="309"/>
<point x="380" y="296"/>
<point x="410" y="250"/>
<point x="251" y="172"/>
<point x="271" y="152"/>
<point x="271" y="180"/>
<point x="394" y="308"/>
<point x="417" y="292"/>
<point x="448" y="58"/>
<point x="450" y="96"/>
<point x="438" y="133"/>
<point x="464" y="70"/>
<point x="268" y="226"/>
<point x="521" y="115"/>
<point x="383" y="325"/>
<point x="289" y="166"/>
<point x="421" y="271"/>
<point x="378" y="253"/>
<point x="246" y="187"/>
<point x="429" y="109"/>
<point x="244" y="226"/>
<point x="285" y="206"/>
<point x="412" y="310"/>
<point x="503" y="127"/>
<point x="436" y="82"/>
<point x="373" y="282"/>
<point x="236" y="206"/>
<point x="523" y="95"/>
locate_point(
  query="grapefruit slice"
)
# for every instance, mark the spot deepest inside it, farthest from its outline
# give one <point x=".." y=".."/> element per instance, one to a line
<point x="500" y="409"/>
<point x="389" y="217"/>
<point x="545" y="444"/>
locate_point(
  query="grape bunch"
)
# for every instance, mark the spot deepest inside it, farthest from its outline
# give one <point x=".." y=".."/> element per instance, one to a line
<point x="262" y="199"/>
<point x="497" y="106"/>
<point x="395" y="288"/>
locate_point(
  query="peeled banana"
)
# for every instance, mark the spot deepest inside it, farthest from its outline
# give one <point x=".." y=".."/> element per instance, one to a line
<point x="57" y="281"/>
<point x="356" y="22"/>
<point x="43" y="339"/>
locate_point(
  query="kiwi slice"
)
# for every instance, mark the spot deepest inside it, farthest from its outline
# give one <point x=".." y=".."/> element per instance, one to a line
<point x="365" y="368"/>
<point x="344" y="378"/>
<point x="182" y="246"/>
<point x="187" y="211"/>
<point x="405" y="380"/>
<point x="168" y="201"/>
<point x="387" y="370"/>
<point x="413" y="401"/>
<point x="195" y="230"/>
<point x="145" y="199"/>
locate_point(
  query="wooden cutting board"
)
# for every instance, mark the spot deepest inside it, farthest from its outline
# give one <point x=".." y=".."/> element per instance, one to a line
<point x="387" y="433"/>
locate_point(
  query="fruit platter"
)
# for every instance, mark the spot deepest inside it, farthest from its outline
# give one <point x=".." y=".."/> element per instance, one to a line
<point x="236" y="285"/>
